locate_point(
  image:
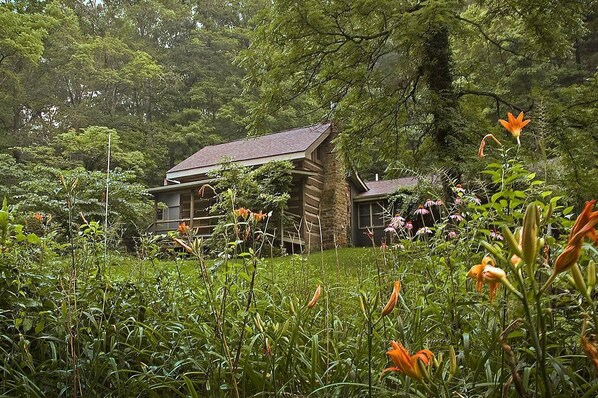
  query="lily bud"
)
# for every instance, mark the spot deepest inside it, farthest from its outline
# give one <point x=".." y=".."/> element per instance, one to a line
<point x="315" y="298"/>
<point x="591" y="275"/>
<point x="512" y="241"/>
<point x="423" y="369"/>
<point x="292" y="307"/>
<point x="578" y="279"/>
<point x="392" y="302"/>
<point x="453" y="360"/>
<point x="258" y="323"/>
<point x="362" y="305"/>
<point x="529" y="235"/>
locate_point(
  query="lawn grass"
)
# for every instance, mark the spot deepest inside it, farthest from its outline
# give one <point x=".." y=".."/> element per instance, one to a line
<point x="345" y="266"/>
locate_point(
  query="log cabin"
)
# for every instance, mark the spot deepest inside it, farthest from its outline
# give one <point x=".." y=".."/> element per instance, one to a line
<point x="329" y="205"/>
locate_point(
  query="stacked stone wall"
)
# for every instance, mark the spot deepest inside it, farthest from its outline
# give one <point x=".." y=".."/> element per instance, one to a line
<point x="335" y="214"/>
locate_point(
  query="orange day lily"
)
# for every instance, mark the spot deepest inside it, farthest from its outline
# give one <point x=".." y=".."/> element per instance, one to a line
<point x="259" y="216"/>
<point x="392" y="302"/>
<point x="406" y="363"/>
<point x="183" y="228"/>
<point x="515" y="125"/>
<point x="486" y="272"/>
<point x="584" y="227"/>
<point x="242" y="212"/>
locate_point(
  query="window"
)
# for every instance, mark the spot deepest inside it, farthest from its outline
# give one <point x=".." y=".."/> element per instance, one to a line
<point x="316" y="155"/>
<point x="371" y="215"/>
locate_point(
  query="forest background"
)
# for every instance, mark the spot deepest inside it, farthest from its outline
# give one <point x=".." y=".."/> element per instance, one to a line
<point x="414" y="85"/>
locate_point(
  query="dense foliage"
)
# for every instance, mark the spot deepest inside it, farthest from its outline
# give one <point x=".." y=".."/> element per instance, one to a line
<point x="79" y="321"/>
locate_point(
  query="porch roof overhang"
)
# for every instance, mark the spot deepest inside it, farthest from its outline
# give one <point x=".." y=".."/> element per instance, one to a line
<point x="179" y="187"/>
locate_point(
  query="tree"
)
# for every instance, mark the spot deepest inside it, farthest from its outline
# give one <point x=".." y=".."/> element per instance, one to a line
<point x="409" y="79"/>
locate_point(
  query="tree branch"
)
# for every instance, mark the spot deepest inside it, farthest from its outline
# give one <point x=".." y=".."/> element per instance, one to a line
<point x="498" y="98"/>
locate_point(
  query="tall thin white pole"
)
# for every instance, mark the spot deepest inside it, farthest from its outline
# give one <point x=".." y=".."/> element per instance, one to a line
<point x="106" y="209"/>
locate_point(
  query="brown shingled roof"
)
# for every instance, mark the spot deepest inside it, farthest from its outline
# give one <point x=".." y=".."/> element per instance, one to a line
<point x="282" y="143"/>
<point x="386" y="187"/>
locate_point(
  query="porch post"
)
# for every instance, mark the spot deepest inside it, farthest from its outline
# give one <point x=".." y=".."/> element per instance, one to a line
<point x="155" y="224"/>
<point x="191" y="210"/>
<point x="281" y="228"/>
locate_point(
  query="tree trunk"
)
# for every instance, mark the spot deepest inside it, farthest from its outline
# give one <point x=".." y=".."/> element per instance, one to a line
<point x="444" y="105"/>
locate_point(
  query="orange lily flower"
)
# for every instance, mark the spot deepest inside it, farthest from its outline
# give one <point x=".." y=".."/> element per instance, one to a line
<point x="39" y="217"/>
<point x="259" y="216"/>
<point x="584" y="227"/>
<point x="486" y="272"/>
<point x="515" y="125"/>
<point x="183" y="228"/>
<point x="406" y="363"/>
<point x="242" y="212"/>
<point x="316" y="296"/>
<point x="477" y="272"/>
<point x="394" y="297"/>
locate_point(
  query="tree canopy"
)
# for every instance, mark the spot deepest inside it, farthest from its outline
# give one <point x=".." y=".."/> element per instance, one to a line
<point x="414" y="85"/>
<point x="419" y="83"/>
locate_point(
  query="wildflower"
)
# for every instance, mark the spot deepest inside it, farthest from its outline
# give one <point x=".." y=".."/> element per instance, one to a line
<point x="583" y="228"/>
<point x="383" y="246"/>
<point x="406" y="363"/>
<point x="429" y="203"/>
<point x="486" y="272"/>
<point x="316" y="296"/>
<point x="456" y="217"/>
<point x="458" y="201"/>
<point x="423" y="230"/>
<point x="483" y="144"/>
<point x="452" y="234"/>
<point x="421" y="210"/>
<point x="39" y="217"/>
<point x="394" y="297"/>
<point x="476" y="272"/>
<point x="494" y="234"/>
<point x="242" y="212"/>
<point x="515" y="125"/>
<point x="439" y="202"/>
<point x="397" y="222"/>
<point x="409" y="225"/>
<point x="476" y="200"/>
<point x="183" y="228"/>
<point x="259" y="216"/>
<point x="459" y="188"/>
